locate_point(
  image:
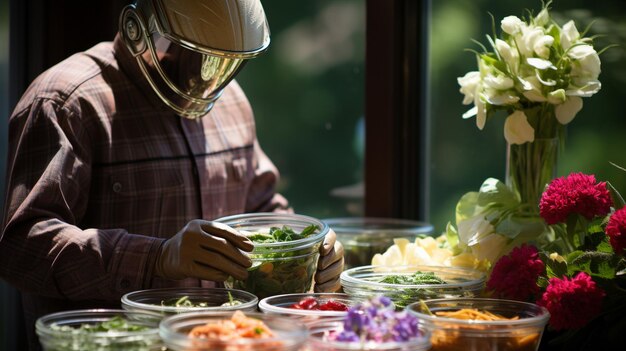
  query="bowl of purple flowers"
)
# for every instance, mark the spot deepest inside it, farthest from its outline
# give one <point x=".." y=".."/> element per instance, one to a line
<point x="370" y="325"/>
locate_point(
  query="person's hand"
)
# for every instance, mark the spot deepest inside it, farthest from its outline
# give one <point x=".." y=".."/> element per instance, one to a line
<point x="330" y="265"/>
<point x="204" y="250"/>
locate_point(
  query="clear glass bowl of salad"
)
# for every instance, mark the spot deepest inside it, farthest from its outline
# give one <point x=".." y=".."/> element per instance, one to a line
<point x="363" y="237"/>
<point x="232" y="331"/>
<point x="407" y="284"/>
<point x="482" y="324"/>
<point x="285" y="254"/>
<point x="99" y="329"/>
<point x="178" y="300"/>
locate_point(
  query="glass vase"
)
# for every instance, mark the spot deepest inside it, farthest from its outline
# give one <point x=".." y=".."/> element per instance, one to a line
<point x="530" y="167"/>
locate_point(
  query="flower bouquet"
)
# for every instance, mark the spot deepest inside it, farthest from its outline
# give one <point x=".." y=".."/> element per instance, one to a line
<point x="580" y="275"/>
<point x="537" y="72"/>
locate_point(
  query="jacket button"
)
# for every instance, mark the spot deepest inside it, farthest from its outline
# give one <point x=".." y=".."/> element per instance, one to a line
<point x="117" y="187"/>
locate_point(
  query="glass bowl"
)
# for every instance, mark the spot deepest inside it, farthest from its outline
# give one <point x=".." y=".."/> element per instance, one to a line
<point x="280" y="267"/>
<point x="195" y="299"/>
<point x="320" y="328"/>
<point x="279" y="305"/>
<point x="521" y="334"/>
<point x="363" y="237"/>
<point x="290" y="335"/>
<point x="99" y="329"/>
<point x="362" y="282"/>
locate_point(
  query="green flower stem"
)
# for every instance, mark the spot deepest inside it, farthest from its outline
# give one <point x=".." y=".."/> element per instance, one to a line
<point x="530" y="167"/>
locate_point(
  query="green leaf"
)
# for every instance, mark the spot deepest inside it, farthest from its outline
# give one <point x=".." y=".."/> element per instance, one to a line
<point x="452" y="237"/>
<point x="596" y="264"/>
<point x="513" y="227"/>
<point x="466" y="206"/>
<point x="618" y="200"/>
<point x="494" y="191"/>
<point x="554" y="268"/>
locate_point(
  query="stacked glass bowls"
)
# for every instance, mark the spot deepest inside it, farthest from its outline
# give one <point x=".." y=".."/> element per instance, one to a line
<point x="523" y="333"/>
<point x="363" y="282"/>
<point x="280" y="267"/>
<point x="99" y="329"/>
<point x="320" y="329"/>
<point x="363" y="237"/>
<point x="290" y="335"/>
<point x="168" y="301"/>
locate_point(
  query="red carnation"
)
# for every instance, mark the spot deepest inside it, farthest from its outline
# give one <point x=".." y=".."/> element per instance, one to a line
<point x="515" y="276"/>
<point x="572" y="303"/>
<point x="576" y="193"/>
<point x="616" y="230"/>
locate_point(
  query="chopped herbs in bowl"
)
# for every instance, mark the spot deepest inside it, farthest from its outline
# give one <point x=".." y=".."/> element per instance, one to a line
<point x="370" y="325"/>
<point x="178" y="300"/>
<point x="103" y="330"/>
<point x="285" y="254"/>
<point x="408" y="284"/>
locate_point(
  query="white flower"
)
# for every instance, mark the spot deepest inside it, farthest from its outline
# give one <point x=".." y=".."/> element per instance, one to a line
<point x="517" y="130"/>
<point x="511" y="25"/>
<point x="566" y="111"/>
<point x="481" y="112"/>
<point x="510" y="55"/>
<point x="569" y="35"/>
<point x="542" y="18"/>
<point x="585" y="64"/>
<point x="469" y="83"/>
<point x="488" y="247"/>
<point x="557" y="97"/>
<point x="534" y="41"/>
<point x="501" y="98"/>
<point x="498" y="82"/>
<point x="533" y="87"/>
<point x="473" y="228"/>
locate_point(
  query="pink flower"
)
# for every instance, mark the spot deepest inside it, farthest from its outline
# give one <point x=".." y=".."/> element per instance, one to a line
<point x="572" y="303"/>
<point x="576" y="193"/>
<point x="515" y="276"/>
<point x="616" y="230"/>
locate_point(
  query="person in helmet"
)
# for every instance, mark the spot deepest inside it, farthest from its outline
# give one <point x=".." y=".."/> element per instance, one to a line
<point x="120" y="157"/>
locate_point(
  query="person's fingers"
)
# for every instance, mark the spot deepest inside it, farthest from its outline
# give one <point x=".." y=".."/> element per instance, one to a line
<point x="204" y="272"/>
<point x="220" y="245"/>
<point x="328" y="287"/>
<point x="219" y="262"/>
<point x="231" y="235"/>
<point x="334" y="255"/>
<point x="329" y="242"/>
<point x="330" y="273"/>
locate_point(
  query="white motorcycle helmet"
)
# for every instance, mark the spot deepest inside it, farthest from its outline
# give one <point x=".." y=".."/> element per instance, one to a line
<point x="189" y="50"/>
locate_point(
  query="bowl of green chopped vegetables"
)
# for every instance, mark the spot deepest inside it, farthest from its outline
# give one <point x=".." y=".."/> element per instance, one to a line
<point x="407" y="284"/>
<point x="99" y="329"/>
<point x="285" y="254"/>
<point x="168" y="301"/>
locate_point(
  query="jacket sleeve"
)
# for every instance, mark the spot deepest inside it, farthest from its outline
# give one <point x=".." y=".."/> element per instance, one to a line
<point x="42" y="248"/>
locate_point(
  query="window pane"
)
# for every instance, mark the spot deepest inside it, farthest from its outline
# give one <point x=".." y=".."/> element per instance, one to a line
<point x="463" y="156"/>
<point x="307" y="95"/>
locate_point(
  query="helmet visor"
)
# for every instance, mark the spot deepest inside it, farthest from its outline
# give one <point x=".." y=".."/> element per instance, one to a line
<point x="190" y="74"/>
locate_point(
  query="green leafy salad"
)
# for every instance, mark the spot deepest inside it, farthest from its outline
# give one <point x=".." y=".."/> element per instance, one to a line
<point x="185" y="301"/>
<point x="405" y="296"/>
<point x="280" y="269"/>
<point x="113" y="334"/>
